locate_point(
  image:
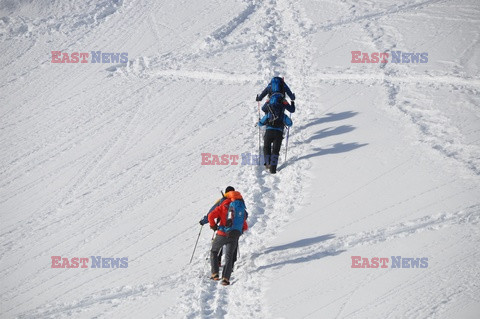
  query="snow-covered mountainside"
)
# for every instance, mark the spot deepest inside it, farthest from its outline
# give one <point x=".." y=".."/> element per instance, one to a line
<point x="104" y="160"/>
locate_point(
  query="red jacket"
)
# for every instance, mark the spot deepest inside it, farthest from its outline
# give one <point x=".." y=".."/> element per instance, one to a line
<point x="221" y="212"/>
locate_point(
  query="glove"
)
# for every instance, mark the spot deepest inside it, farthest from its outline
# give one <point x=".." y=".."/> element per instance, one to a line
<point x="258" y="99"/>
<point x="203" y="221"/>
<point x="214" y="227"/>
<point x="260" y="123"/>
<point x="292" y="103"/>
<point x="293" y="94"/>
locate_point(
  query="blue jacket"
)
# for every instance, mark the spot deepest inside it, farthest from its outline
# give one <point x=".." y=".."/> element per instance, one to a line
<point x="268" y="90"/>
<point x="286" y="120"/>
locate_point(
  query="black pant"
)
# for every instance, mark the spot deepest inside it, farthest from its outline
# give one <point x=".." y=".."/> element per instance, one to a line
<point x="235" y="253"/>
<point x="272" y="142"/>
<point x="230" y="244"/>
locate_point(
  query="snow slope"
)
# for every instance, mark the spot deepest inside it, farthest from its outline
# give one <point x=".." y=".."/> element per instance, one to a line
<point x="105" y="159"/>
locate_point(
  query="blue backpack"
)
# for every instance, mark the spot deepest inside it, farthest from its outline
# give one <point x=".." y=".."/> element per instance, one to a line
<point x="277" y="87"/>
<point x="236" y="216"/>
<point x="276" y="111"/>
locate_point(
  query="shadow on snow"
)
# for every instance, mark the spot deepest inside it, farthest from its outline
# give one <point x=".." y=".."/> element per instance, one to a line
<point x="309" y="256"/>
<point x="326" y="132"/>
<point x="330" y="117"/>
<point x="335" y="149"/>
<point x="301" y="243"/>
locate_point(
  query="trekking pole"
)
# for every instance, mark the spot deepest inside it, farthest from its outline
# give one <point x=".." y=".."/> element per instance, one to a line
<point x="196" y="244"/>
<point x="286" y="143"/>
<point x="259" y="139"/>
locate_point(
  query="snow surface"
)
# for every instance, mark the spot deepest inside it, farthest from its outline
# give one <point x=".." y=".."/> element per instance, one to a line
<point x="105" y="159"/>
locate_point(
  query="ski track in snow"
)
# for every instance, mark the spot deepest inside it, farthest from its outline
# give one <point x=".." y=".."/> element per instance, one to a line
<point x="393" y="9"/>
<point x="436" y="128"/>
<point x="108" y="297"/>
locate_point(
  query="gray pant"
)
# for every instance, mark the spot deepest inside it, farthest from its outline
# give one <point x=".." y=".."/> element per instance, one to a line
<point x="230" y="244"/>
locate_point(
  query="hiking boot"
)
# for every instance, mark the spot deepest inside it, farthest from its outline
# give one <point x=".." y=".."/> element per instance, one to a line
<point x="273" y="169"/>
<point x="215" y="277"/>
<point x="225" y="282"/>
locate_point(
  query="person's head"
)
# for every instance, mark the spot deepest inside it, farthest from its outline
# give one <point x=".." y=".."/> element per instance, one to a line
<point x="229" y="189"/>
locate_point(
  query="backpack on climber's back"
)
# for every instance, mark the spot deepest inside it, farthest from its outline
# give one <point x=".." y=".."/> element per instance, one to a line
<point x="276" y="111"/>
<point x="277" y="87"/>
<point x="236" y="216"/>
